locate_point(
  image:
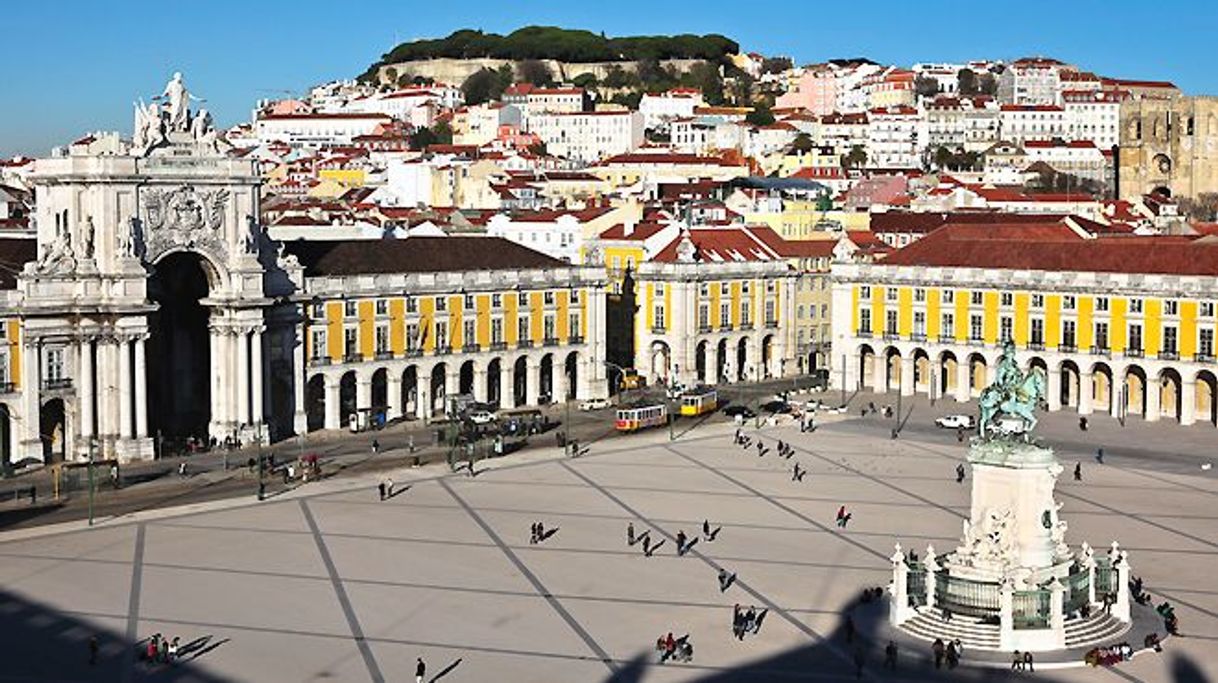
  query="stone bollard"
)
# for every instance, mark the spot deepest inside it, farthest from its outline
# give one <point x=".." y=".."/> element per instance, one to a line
<point x="931" y="564"/>
<point x="900" y="611"/>
<point x="1057" y="613"/>
<point x="1006" y="616"/>
<point x="1121" y="572"/>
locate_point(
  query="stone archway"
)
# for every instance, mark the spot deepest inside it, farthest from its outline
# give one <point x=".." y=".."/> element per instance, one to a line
<point x="6" y="439"/>
<point x="922" y="375"/>
<point x="1102" y="394"/>
<point x="1205" y="407"/>
<point x="346" y="398"/>
<point x="410" y="391"/>
<point x="721" y="362"/>
<point x="978" y="373"/>
<point x="700" y="362"/>
<point x="892" y="368"/>
<point x="520" y="382"/>
<point x="767" y="357"/>
<point x="179" y="371"/>
<point x="571" y="371"/>
<point x="742" y="359"/>
<point x="545" y="388"/>
<point x="950" y="368"/>
<point x="380" y="391"/>
<point x="1070" y="384"/>
<point x="493" y="370"/>
<point x="53" y="431"/>
<point x="867" y="362"/>
<point x="1169" y="388"/>
<point x="437" y="388"/>
<point x="1135" y="391"/>
<point x="465" y="381"/>
<point x="315" y="403"/>
<point x="660" y="359"/>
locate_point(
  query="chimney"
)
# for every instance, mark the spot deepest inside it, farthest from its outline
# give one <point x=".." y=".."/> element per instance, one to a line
<point x="628" y="228"/>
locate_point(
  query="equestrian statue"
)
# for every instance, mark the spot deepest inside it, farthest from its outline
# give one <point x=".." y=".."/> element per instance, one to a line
<point x="1013" y="394"/>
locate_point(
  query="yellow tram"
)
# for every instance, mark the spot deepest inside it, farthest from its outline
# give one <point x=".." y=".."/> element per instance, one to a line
<point x="699" y="401"/>
<point x="641" y="416"/>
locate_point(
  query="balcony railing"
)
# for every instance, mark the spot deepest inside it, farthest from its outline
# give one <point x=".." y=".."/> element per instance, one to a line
<point x="575" y="339"/>
<point x="1135" y="353"/>
<point x="1100" y="350"/>
<point x="918" y="336"/>
<point x="1169" y="355"/>
<point x="353" y="357"/>
<point x="1067" y="348"/>
<point x="658" y="329"/>
<point x="384" y="355"/>
<point x="319" y="361"/>
<point x="524" y="344"/>
<point x="414" y="353"/>
<point x="891" y="336"/>
<point x="8" y="387"/>
<point x="725" y="327"/>
<point x="947" y="339"/>
<point x="1203" y="357"/>
<point x="771" y="324"/>
<point x="864" y="334"/>
<point x="58" y="383"/>
<point x="975" y="340"/>
<point x="1036" y="345"/>
<point x="471" y="348"/>
<point x="746" y="325"/>
<point x="705" y="329"/>
<point x="550" y="341"/>
<point x="444" y="350"/>
<point x="499" y="346"/>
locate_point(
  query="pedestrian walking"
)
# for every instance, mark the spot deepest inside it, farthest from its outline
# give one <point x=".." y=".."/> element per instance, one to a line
<point x="959" y="473"/>
<point x="380" y="487"/>
<point x="630" y="534"/>
<point x="841" y="514"/>
<point x="737" y="622"/>
<point x="93" y="647"/>
<point x="420" y="670"/>
<point x="1016" y="661"/>
<point x="937" y="649"/>
<point x="533" y="533"/>
<point x="890" y="656"/>
<point x="646" y="545"/>
<point x="757" y="619"/>
<point x="706" y="530"/>
<point x="389" y="488"/>
<point x="795" y="473"/>
<point x="1099" y="455"/>
<point x="174" y="648"/>
<point x="1078" y="471"/>
<point x="681" y="539"/>
<point x="376" y="446"/>
<point x="1027" y="662"/>
<point x="953" y="657"/>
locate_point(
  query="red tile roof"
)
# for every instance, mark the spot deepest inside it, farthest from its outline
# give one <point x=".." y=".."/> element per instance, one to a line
<point x="1053" y="247"/>
<point x="728" y="244"/>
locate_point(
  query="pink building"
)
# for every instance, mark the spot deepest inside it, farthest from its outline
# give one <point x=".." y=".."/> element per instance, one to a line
<point x="815" y="91"/>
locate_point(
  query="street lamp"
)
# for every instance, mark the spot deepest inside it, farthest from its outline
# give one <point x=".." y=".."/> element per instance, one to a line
<point x="92" y="449"/>
<point x="261" y="467"/>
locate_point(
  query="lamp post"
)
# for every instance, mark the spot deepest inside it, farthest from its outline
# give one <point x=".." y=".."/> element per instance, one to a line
<point x="261" y="467"/>
<point x="92" y="448"/>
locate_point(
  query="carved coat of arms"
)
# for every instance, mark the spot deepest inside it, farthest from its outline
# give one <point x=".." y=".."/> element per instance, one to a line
<point x="184" y="217"/>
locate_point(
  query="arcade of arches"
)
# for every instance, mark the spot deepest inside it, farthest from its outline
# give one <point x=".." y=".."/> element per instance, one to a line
<point x="1151" y="390"/>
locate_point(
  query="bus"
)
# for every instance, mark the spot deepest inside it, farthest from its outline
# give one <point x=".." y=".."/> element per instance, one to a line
<point x="641" y="416"/>
<point x="699" y="401"/>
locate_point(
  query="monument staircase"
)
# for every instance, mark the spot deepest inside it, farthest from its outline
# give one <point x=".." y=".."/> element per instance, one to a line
<point x="976" y="634"/>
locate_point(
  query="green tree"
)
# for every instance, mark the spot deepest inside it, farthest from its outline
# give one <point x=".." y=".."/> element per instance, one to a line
<point x="391" y="75"/>
<point x="422" y="138"/>
<point x="925" y="86"/>
<point x="855" y="158"/>
<point x="760" y="116"/>
<point x="776" y="65"/>
<point x="988" y="85"/>
<point x="705" y="77"/>
<point x="967" y="82"/>
<point x="480" y="86"/>
<point x="538" y="148"/>
<point x="802" y="143"/>
<point x="534" y="71"/>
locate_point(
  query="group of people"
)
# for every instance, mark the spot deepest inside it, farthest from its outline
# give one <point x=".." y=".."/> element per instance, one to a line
<point x="1170" y="622"/>
<point x="161" y="650"/>
<point x="538" y="533"/>
<point x="747" y="621"/>
<point x="948" y="653"/>
<point x="1022" y="661"/>
<point x="385" y="488"/>
<point x="1113" y="654"/>
<point x="678" y="649"/>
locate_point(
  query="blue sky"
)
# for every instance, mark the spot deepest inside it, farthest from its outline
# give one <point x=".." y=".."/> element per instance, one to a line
<point x="75" y="66"/>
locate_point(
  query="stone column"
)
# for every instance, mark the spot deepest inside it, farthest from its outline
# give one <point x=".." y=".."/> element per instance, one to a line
<point x="907" y="376"/>
<point x="141" y="388"/>
<point x="963" y="379"/>
<point x="899" y="611"/>
<point x="1153" y="391"/>
<point x="256" y="375"/>
<point x="507" y="399"/>
<point x="935" y="382"/>
<point x="1054" y="389"/>
<point x="1121" y="574"/>
<point x="31" y="387"/>
<point x="363" y="392"/>
<point x="879" y="374"/>
<point x="124" y="389"/>
<point x="1006" y="616"/>
<point x="393" y="394"/>
<point x="711" y="375"/>
<point x="480" y="384"/>
<point x="559" y="375"/>
<point x="1086" y="388"/>
<point x="332" y="407"/>
<point x="1188" y="400"/>
<point x="85" y="387"/>
<point x="931" y="564"/>
<point x="532" y="390"/>
<point x="218" y="358"/>
<point x="1116" y="392"/>
<point x="452" y="383"/>
<point x="242" y="348"/>
<point x="300" y="378"/>
<point x="1057" y="616"/>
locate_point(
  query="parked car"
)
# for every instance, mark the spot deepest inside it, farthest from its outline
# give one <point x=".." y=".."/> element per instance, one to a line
<point x="594" y="404"/>
<point x="956" y="422"/>
<point x="739" y="411"/>
<point x="776" y="406"/>
<point x="481" y="417"/>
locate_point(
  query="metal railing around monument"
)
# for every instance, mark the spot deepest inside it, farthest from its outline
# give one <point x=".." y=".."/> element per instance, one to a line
<point x="915" y="585"/>
<point x="1105" y="577"/>
<point x="1030" y="609"/>
<point x="964" y="596"/>
<point x="1078" y="590"/>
